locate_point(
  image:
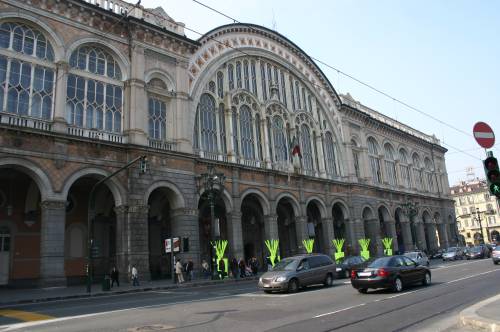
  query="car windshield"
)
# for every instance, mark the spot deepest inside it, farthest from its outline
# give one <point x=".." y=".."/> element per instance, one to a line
<point x="380" y="262"/>
<point x="286" y="264"/>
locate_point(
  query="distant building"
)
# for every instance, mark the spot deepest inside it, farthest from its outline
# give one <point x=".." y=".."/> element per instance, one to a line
<point x="87" y="86"/>
<point x="478" y="213"/>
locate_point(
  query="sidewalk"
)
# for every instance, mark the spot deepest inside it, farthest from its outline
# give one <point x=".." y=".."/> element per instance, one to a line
<point x="10" y="296"/>
<point x="484" y="315"/>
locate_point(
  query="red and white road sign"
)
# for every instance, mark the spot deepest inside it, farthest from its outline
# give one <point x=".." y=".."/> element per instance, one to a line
<point x="484" y="135"/>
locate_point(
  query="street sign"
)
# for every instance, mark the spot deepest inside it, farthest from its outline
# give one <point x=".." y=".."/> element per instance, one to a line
<point x="484" y="135"/>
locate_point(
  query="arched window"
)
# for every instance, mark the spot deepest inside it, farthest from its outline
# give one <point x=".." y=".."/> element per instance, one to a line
<point x="283" y="88"/>
<point x="269" y="79"/>
<point x="280" y="147"/>
<point x="207" y="122"/>
<point x="157" y="118"/>
<point x="276" y="81"/>
<point x="374" y="160"/>
<point x="330" y="149"/>
<point x="417" y="173"/>
<point x="257" y="138"/>
<point x="26" y="72"/>
<point x="95" y="92"/>
<point x="307" y="155"/>
<point x="263" y="80"/>
<point x="254" y="77"/>
<point x="238" y="75"/>
<point x="230" y="76"/>
<point x="245" y="75"/>
<point x="222" y="129"/>
<point x="404" y="169"/>
<point x="292" y="94"/>
<point x="297" y="94"/>
<point x="390" y="165"/>
<point x="220" y="84"/>
<point x="429" y="174"/>
<point x="355" y="158"/>
<point x="235" y="132"/>
<point x="211" y="86"/>
<point x="246" y="128"/>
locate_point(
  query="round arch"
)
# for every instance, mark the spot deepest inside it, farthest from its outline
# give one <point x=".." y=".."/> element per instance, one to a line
<point x="426" y="217"/>
<point x="320" y="204"/>
<point x="176" y="199"/>
<point x="342" y="205"/>
<point x="262" y="198"/>
<point x="116" y="188"/>
<point x="34" y="171"/>
<point x="385" y="212"/>
<point x="367" y="212"/>
<point x="163" y="76"/>
<point x="226" y="197"/>
<point x="293" y="201"/>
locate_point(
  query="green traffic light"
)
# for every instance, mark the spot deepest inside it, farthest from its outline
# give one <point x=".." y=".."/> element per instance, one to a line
<point x="495" y="189"/>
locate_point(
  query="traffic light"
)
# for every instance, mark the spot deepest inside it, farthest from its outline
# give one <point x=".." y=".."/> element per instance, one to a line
<point x="143" y="165"/>
<point x="492" y="175"/>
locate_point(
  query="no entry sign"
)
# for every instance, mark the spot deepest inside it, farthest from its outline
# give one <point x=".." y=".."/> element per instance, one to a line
<point x="484" y="135"/>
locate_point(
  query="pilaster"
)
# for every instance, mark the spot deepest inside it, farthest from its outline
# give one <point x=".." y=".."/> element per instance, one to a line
<point x="52" y="243"/>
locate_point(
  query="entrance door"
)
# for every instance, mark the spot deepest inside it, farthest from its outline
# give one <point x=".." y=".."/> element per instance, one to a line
<point x="4" y="255"/>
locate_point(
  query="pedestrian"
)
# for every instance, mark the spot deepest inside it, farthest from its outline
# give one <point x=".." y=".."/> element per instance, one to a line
<point x="222" y="268"/>
<point x="234" y="267"/>
<point x="114" y="277"/>
<point x="189" y="270"/>
<point x="135" y="276"/>
<point x="242" y="267"/>
<point x="254" y="264"/>
<point x="205" y="269"/>
<point x="178" y="271"/>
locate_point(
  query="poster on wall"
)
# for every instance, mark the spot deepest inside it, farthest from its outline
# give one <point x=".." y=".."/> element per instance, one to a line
<point x="177" y="245"/>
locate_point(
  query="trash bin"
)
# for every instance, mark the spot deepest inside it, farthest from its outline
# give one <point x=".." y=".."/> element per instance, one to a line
<point x="106" y="283"/>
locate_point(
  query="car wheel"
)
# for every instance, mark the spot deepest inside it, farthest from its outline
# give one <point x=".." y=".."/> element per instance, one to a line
<point x="397" y="286"/>
<point x="347" y="274"/>
<point x="293" y="286"/>
<point x="427" y="279"/>
<point x="363" y="290"/>
<point x="328" y="280"/>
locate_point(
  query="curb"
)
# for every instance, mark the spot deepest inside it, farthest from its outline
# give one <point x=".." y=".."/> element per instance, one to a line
<point x="469" y="317"/>
<point x="134" y="290"/>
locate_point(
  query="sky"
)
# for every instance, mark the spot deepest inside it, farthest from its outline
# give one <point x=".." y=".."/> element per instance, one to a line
<point x="441" y="57"/>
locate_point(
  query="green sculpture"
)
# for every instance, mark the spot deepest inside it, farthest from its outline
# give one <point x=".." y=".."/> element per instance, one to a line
<point x="272" y="246"/>
<point x="220" y="248"/>
<point x="387" y="246"/>
<point x="308" y="244"/>
<point x="365" y="243"/>
<point x="339" y="254"/>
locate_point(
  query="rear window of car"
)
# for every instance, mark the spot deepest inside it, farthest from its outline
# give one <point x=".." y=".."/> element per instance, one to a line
<point x="380" y="262"/>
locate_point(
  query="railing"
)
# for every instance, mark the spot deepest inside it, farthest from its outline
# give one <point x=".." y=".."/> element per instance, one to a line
<point x="96" y="135"/>
<point x="161" y="145"/>
<point x="251" y="163"/>
<point x="19" y="121"/>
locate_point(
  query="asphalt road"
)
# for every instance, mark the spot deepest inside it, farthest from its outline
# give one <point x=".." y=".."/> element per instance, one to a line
<point x="241" y="307"/>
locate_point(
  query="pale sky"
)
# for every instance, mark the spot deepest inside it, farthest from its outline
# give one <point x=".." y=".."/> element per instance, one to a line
<point x="441" y="57"/>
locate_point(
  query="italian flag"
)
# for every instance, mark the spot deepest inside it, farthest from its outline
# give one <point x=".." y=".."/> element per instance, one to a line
<point x="296" y="155"/>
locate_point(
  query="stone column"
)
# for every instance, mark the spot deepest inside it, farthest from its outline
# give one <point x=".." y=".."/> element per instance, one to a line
<point x="376" y="246"/>
<point x="184" y="224"/>
<point x="355" y="231"/>
<point x="407" y="235"/>
<point x="60" y="124"/>
<point x="235" y="234"/>
<point x="52" y="243"/>
<point x="138" y="240"/>
<point x="421" y="243"/>
<point x="301" y="231"/>
<point x="267" y="141"/>
<point x="271" y="227"/>
<point x="122" y="244"/>
<point x="390" y="227"/>
<point x="328" y="236"/>
<point x="443" y="236"/>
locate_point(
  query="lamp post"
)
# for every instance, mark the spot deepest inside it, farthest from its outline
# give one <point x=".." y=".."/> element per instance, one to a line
<point x="410" y="209"/>
<point x="478" y="218"/>
<point x="209" y="182"/>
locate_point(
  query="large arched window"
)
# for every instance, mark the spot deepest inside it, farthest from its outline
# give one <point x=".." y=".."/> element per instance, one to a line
<point x="404" y="169"/>
<point x="355" y="158"/>
<point x="279" y="138"/>
<point x="307" y="154"/>
<point x="246" y="127"/>
<point x="390" y="165"/>
<point x="429" y="174"/>
<point x="157" y="118"/>
<point x="417" y="172"/>
<point x="94" y="97"/>
<point x="330" y="149"/>
<point x="26" y="72"/>
<point x="374" y="160"/>
<point x="207" y="123"/>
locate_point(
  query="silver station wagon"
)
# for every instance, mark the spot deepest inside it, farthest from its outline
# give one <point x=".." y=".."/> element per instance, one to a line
<point x="294" y="272"/>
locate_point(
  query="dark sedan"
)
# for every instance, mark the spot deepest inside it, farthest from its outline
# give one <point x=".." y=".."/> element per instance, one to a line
<point x="390" y="272"/>
<point x="347" y="264"/>
<point x="476" y="252"/>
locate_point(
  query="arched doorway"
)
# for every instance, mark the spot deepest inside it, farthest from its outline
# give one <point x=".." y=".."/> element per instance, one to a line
<point x="495" y="236"/>
<point x="286" y="227"/>
<point x="252" y="222"/>
<point x="315" y="227"/>
<point x="205" y="223"/>
<point x="103" y="229"/>
<point x="399" y="231"/>
<point x="20" y="225"/>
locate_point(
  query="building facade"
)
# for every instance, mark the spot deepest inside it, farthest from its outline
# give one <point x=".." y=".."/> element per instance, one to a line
<point x="478" y="217"/>
<point x="86" y="87"/>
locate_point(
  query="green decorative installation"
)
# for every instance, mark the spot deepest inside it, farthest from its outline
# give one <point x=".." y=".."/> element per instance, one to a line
<point x="273" y="245"/>
<point x="220" y="248"/>
<point x="339" y="254"/>
<point x="308" y="244"/>
<point x="365" y="243"/>
<point x="387" y="241"/>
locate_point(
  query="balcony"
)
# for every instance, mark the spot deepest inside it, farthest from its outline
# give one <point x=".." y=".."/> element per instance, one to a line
<point x="15" y="120"/>
<point x="161" y="145"/>
<point x="96" y="135"/>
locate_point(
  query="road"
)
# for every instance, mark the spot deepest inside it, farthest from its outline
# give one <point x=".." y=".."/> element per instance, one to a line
<point x="241" y="307"/>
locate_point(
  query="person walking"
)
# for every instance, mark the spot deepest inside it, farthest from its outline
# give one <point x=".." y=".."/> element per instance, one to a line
<point x="135" y="276"/>
<point x="114" y="277"/>
<point x="189" y="270"/>
<point x="178" y="271"/>
<point x="234" y="268"/>
<point x="205" y="269"/>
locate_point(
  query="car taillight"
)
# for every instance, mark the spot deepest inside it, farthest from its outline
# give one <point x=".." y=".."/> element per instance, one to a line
<point x="353" y="274"/>
<point x="382" y="273"/>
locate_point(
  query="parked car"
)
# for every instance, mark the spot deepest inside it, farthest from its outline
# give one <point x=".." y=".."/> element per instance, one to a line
<point x="418" y="256"/>
<point x="476" y="252"/>
<point x="291" y="273"/>
<point x="437" y="254"/>
<point x="495" y="255"/>
<point x="452" y="254"/>
<point x="393" y="272"/>
<point x="347" y="264"/>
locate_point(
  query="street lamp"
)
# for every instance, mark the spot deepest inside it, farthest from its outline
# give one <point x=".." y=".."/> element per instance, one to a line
<point x="410" y="209"/>
<point x="212" y="184"/>
<point x="478" y="218"/>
